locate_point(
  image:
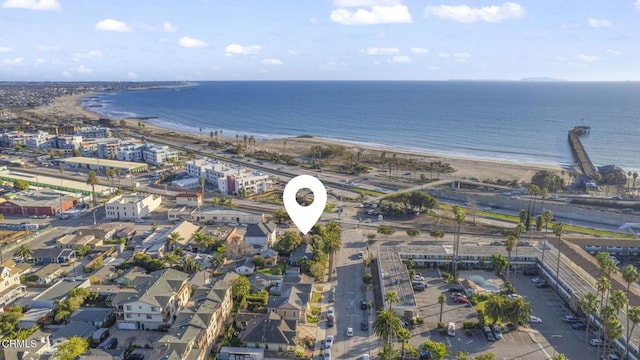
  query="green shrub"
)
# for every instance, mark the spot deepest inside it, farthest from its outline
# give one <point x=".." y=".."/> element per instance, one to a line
<point x="440" y="325"/>
<point x="419" y="321"/>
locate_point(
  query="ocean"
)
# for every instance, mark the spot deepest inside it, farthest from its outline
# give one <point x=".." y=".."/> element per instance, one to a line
<point x="510" y="121"/>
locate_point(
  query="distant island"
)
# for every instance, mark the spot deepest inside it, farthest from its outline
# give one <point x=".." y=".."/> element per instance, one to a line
<point x="542" y="79"/>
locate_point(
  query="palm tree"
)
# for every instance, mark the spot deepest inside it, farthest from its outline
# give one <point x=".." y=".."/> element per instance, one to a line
<point x="459" y="216"/>
<point x="441" y="300"/>
<point x="603" y="285"/>
<point x="558" y="230"/>
<point x="518" y="311"/>
<point x="404" y="335"/>
<point x="519" y="229"/>
<point x="495" y="308"/>
<point x="201" y="181"/>
<point x="110" y="173"/>
<point x="92" y="179"/>
<point x="391" y="297"/>
<point x="171" y="259"/>
<point x="24" y="252"/>
<point x="173" y="239"/>
<point x="509" y="244"/>
<point x="215" y="134"/>
<point x="629" y="275"/>
<point x="237" y="139"/>
<point x="245" y="138"/>
<point x="633" y="315"/>
<point x="588" y="305"/>
<point x="332" y="241"/>
<point x="190" y="265"/>
<point x="284" y="147"/>
<point x="386" y="325"/>
<point x="618" y="300"/>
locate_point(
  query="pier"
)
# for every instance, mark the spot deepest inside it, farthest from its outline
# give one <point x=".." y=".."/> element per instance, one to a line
<point x="579" y="153"/>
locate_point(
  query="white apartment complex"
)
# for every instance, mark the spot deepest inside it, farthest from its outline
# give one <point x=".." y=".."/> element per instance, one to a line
<point x="150" y="153"/>
<point x="131" y="206"/>
<point x="228" y="178"/>
<point x="94" y="132"/>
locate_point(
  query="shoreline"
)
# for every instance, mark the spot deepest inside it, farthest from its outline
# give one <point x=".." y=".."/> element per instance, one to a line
<point x="298" y="146"/>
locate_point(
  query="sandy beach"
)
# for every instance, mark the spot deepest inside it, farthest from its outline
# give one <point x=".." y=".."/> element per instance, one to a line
<point x="483" y="169"/>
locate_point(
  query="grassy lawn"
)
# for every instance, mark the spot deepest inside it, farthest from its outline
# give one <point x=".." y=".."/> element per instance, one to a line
<point x="316" y="297"/>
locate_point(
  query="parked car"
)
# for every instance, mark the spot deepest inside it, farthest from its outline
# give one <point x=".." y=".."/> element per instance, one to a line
<point x="364" y="325"/>
<point x="419" y="287"/>
<point x="489" y="334"/>
<point x="568" y="318"/>
<point x="611" y="356"/>
<point x="536" y="280"/>
<point x="363" y="305"/>
<point x="349" y="332"/>
<point x="328" y="342"/>
<point x="542" y="285"/>
<point x="530" y="272"/>
<point x="418" y="277"/>
<point x="596" y="342"/>
<point x="535" y="320"/>
<point x="460" y="300"/>
<point x="454" y="290"/>
<point x="496" y="331"/>
<point x="457" y="295"/>
<point x="327" y="354"/>
<point x="330" y="311"/>
<point x="330" y="321"/>
<point x="579" y="326"/>
<point x="514" y="296"/>
<point x="110" y="343"/>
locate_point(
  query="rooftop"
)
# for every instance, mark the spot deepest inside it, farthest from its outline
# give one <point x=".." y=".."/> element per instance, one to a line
<point x="41" y="198"/>
<point x="125" y="165"/>
<point x="52" y="182"/>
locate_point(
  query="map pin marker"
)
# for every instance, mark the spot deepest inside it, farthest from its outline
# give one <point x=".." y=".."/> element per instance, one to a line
<point x="304" y="217"/>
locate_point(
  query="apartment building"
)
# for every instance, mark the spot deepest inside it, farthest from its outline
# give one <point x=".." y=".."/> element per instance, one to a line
<point x="154" y="302"/>
<point x="158" y="154"/>
<point x="10" y="286"/>
<point x="227" y="178"/>
<point x="94" y="132"/>
<point x="131" y="206"/>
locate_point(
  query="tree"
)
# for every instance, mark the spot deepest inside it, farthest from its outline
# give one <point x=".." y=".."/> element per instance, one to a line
<point x="588" y="305"/>
<point x="92" y="179"/>
<point x="386" y="230"/>
<point x="629" y="275"/>
<point x="633" y="315"/>
<point x="603" y="285"/>
<point x="332" y="241"/>
<point x="24" y="252"/>
<point x="288" y="241"/>
<point x="71" y="348"/>
<point x="459" y="216"/>
<point x="499" y="262"/>
<point x="404" y="335"/>
<point x="83" y="250"/>
<point x="437" y="350"/>
<point x="19" y="184"/>
<point x="441" y="300"/>
<point x="281" y="216"/>
<point x="413" y="232"/>
<point x="386" y="325"/>
<point x="317" y="270"/>
<point x="436" y="233"/>
<point x="495" y="308"/>
<point x="518" y="311"/>
<point x="190" y="266"/>
<point x="618" y="300"/>
<point x="258" y="260"/>
<point x="240" y="288"/>
<point x="558" y="230"/>
<point x="560" y="357"/>
<point x="202" y="182"/>
<point x="509" y="244"/>
<point x="390" y="298"/>
<point x="171" y="258"/>
<point x="110" y="173"/>
<point x="173" y="239"/>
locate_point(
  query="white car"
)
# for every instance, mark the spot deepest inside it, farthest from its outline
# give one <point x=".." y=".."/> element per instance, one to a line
<point x="536" y="280"/>
<point x="330" y="311"/>
<point x="349" y="331"/>
<point x="327" y="354"/>
<point x="328" y="342"/>
<point x="364" y="357"/>
<point x="418" y="277"/>
<point x="514" y="296"/>
<point x="535" y="320"/>
<point x="596" y="342"/>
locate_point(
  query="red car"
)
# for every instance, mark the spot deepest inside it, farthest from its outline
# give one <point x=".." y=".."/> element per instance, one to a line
<point x="460" y="300"/>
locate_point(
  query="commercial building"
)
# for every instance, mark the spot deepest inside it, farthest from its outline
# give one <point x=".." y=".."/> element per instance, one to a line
<point x="37" y="202"/>
<point x="53" y="182"/>
<point x="131" y="206"/>
<point x="101" y="165"/>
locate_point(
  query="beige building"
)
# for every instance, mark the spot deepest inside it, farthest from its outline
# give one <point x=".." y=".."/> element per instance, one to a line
<point x="10" y="286"/>
<point x="131" y="206"/>
<point x="189" y="199"/>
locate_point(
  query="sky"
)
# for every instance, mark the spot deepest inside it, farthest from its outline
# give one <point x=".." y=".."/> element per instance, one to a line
<point x="163" y="40"/>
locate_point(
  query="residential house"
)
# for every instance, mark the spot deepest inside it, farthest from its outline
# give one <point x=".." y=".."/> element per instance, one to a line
<point x="223" y="215"/>
<point x="96" y="316"/>
<point x="270" y="257"/>
<point x="57" y="292"/>
<point x="154" y="302"/>
<point x="233" y="353"/>
<point x="53" y="255"/>
<point x="128" y="278"/>
<point x="270" y="332"/>
<point x="189" y="199"/>
<point x="262" y="281"/>
<point x="49" y="273"/>
<point x="102" y="354"/>
<point x="75" y="328"/>
<point x="10" y="286"/>
<point x="185" y="230"/>
<point x="261" y="235"/>
<point x="75" y="241"/>
<point x="34" y="317"/>
<point x="245" y="266"/>
<point x="34" y="347"/>
<point x="293" y="302"/>
<point x="131" y="206"/>
<point x="303" y="251"/>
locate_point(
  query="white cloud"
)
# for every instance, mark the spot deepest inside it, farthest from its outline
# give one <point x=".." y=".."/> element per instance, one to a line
<point x="587" y="58"/>
<point x="87" y="55"/>
<point x="466" y="14"/>
<point x="401" y="59"/>
<point x="443" y="55"/>
<point x="598" y="23"/>
<point x="132" y="75"/>
<point x="237" y="49"/>
<point x="168" y="27"/>
<point x="271" y="62"/>
<point x="462" y="57"/>
<point x="396" y="14"/>
<point x="84" y="70"/>
<point x="14" y="61"/>
<point x="41" y="61"/>
<point x="112" y="25"/>
<point x="187" y="42"/>
<point x="614" y="52"/>
<point x="4" y="49"/>
<point x="419" y="51"/>
<point x="32" y="4"/>
<point x="382" y="51"/>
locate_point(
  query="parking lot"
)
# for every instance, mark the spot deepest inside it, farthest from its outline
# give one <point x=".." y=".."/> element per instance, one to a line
<point x="534" y="342"/>
<point x="144" y="340"/>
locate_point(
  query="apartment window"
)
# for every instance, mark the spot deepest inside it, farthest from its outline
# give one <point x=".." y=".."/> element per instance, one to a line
<point x="154" y="309"/>
<point x="128" y="316"/>
<point x="128" y="307"/>
<point x="149" y="317"/>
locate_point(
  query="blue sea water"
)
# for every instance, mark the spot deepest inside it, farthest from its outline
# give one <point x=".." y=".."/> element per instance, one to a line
<point x="512" y="121"/>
